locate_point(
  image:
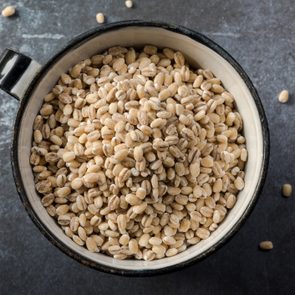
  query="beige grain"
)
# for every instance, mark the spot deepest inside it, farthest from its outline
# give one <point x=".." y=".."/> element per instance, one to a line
<point x="283" y="96"/>
<point x="136" y="154"/>
<point x="8" y="11"/>
<point x="266" y="245"/>
<point x="100" y="18"/>
<point x="287" y="190"/>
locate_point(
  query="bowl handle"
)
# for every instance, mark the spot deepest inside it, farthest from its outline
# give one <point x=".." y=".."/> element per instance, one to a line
<point x="17" y="72"/>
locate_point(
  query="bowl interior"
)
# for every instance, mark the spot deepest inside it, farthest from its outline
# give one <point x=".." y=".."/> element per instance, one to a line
<point x="198" y="55"/>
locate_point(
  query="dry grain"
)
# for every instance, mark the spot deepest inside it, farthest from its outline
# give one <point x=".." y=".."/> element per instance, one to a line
<point x="100" y="19"/>
<point x="287" y="190"/>
<point x="129" y="3"/>
<point x="136" y="154"/>
<point x="283" y="96"/>
<point x="266" y="245"/>
<point x="8" y="11"/>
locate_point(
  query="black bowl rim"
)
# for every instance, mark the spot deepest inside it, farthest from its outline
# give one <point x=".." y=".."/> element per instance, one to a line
<point x="73" y="44"/>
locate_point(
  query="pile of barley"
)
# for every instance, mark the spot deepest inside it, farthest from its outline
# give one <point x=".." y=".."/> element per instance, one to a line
<point x="137" y="155"/>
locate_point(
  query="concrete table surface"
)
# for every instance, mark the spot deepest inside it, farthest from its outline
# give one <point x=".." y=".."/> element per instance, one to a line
<point x="260" y="35"/>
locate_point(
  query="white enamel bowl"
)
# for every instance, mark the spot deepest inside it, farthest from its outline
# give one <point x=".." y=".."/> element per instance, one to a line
<point x="200" y="51"/>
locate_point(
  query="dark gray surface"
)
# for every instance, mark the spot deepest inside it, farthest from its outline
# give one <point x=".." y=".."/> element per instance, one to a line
<point x="260" y="35"/>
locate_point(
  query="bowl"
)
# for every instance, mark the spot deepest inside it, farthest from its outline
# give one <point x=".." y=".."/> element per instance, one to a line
<point x="26" y="80"/>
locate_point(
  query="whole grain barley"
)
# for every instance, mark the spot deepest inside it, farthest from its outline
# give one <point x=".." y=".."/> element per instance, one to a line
<point x="136" y="154"/>
<point x="266" y="245"/>
<point x="129" y="3"/>
<point x="100" y="18"/>
<point x="283" y="96"/>
<point x="287" y="190"/>
<point x="8" y="11"/>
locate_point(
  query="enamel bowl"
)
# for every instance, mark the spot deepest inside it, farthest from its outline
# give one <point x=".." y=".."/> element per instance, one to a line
<point x="26" y="80"/>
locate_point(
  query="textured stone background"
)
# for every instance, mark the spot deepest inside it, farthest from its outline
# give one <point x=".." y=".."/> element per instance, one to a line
<point x="260" y="35"/>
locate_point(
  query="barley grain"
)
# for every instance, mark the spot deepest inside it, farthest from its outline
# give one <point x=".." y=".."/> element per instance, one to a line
<point x="202" y="233"/>
<point x="266" y="245"/>
<point x="8" y="11"/>
<point x="138" y="155"/>
<point x="287" y="190"/>
<point x="100" y="18"/>
<point x="283" y="96"/>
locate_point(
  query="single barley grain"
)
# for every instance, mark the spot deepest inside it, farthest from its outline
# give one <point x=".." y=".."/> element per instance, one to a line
<point x="202" y="233"/>
<point x="283" y="96"/>
<point x="91" y="244"/>
<point x="100" y="18"/>
<point x="8" y="11"/>
<point x="266" y="245"/>
<point x="287" y="190"/>
<point x="129" y="3"/>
